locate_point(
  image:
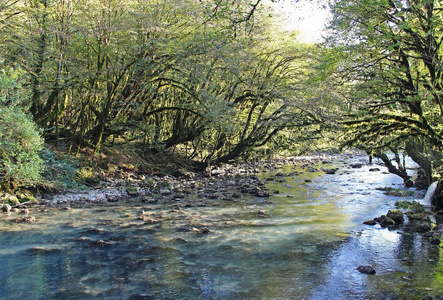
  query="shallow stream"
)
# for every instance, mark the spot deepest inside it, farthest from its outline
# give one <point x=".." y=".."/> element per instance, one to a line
<point x="303" y="242"/>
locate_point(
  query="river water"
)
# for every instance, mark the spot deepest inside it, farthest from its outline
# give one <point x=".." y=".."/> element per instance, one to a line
<point x="304" y="242"/>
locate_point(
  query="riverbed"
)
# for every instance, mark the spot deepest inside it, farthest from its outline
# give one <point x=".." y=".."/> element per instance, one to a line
<point x="304" y="241"/>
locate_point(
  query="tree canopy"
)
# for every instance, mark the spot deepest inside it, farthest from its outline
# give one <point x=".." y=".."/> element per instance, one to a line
<point x="216" y="79"/>
<point x="393" y="73"/>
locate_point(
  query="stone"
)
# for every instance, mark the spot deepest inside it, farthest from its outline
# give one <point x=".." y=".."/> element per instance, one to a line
<point x="369" y="222"/>
<point x="415" y="216"/>
<point x="385" y="221"/>
<point x="422" y="227"/>
<point x="6" y="208"/>
<point x="43" y="250"/>
<point x="112" y="198"/>
<point x="205" y="230"/>
<point x="165" y="191"/>
<point x="132" y="191"/>
<point x="396" y="215"/>
<point x="366" y="270"/>
<point x="262" y="194"/>
<point x="101" y="243"/>
<point x="330" y="171"/>
<point x="261" y="213"/>
<point x="435" y="241"/>
<point x="27" y="219"/>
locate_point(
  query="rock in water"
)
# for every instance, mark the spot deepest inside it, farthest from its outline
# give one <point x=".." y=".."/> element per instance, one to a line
<point x="27" y="219"/>
<point x="366" y="270"/>
<point x="396" y="215"/>
<point x="369" y="222"/>
<point x="385" y="221"/>
<point x="6" y="208"/>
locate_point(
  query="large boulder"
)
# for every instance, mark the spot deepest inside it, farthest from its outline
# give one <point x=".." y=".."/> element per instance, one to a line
<point x="396" y="215"/>
<point x="385" y="221"/>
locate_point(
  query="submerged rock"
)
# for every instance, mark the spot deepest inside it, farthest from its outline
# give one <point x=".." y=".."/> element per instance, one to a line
<point x="366" y="270"/>
<point x="204" y="230"/>
<point x="100" y="243"/>
<point x="27" y="219"/>
<point x="330" y="171"/>
<point x="43" y="250"/>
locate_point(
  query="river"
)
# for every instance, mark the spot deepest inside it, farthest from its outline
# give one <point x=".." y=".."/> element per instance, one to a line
<point x="305" y="241"/>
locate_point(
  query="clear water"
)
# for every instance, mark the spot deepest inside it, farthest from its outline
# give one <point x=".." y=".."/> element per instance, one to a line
<point x="307" y="246"/>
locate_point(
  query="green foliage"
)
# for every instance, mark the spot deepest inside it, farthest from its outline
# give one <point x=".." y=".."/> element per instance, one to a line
<point x="396" y="192"/>
<point x="391" y="63"/>
<point x="414" y="205"/>
<point x="60" y="171"/>
<point x="215" y="78"/>
<point x="20" y="141"/>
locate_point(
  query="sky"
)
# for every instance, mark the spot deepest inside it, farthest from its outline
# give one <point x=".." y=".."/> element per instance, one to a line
<point x="309" y="17"/>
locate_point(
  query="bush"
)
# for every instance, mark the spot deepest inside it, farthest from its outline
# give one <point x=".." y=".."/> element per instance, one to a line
<point x="60" y="170"/>
<point x="20" y="141"/>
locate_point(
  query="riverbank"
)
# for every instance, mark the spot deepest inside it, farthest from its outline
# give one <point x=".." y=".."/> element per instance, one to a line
<point x="124" y="180"/>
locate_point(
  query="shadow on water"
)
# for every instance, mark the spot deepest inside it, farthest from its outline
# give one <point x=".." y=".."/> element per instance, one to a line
<point x="306" y="245"/>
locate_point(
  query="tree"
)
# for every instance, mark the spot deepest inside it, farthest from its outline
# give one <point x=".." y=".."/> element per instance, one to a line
<point x="395" y="72"/>
<point x="213" y="78"/>
<point x="20" y="141"/>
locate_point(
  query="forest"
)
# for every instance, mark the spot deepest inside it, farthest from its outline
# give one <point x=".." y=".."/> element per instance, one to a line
<point x="216" y="81"/>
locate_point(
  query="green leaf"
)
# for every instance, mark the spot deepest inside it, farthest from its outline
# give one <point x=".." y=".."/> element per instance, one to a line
<point x="404" y="25"/>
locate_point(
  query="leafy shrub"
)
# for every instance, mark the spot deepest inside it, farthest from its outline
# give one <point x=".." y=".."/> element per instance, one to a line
<point x="60" y="170"/>
<point x="20" y="141"/>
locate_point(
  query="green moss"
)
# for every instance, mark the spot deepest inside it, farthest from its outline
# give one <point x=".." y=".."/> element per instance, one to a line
<point x="162" y="185"/>
<point x="12" y="200"/>
<point x="396" y="192"/>
<point x="132" y="191"/>
<point x="414" y="205"/>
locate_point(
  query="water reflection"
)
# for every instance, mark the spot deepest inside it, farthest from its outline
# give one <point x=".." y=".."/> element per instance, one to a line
<point x="307" y="245"/>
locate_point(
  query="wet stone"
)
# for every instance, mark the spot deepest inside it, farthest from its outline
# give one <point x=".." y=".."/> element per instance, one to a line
<point x="366" y="270"/>
<point x="43" y="250"/>
<point x="385" y="221"/>
<point x="369" y="222"/>
<point x="100" y="243"/>
<point x="435" y="241"/>
<point x="6" y="208"/>
<point x="422" y="228"/>
<point x="330" y="171"/>
<point x="396" y="215"/>
<point x="27" y="219"/>
<point x="262" y="213"/>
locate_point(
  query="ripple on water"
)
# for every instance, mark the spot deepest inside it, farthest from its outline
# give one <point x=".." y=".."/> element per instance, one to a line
<point x="306" y="244"/>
